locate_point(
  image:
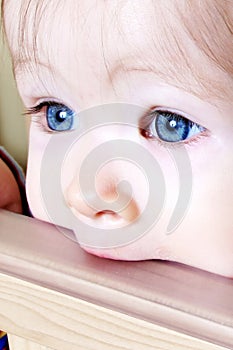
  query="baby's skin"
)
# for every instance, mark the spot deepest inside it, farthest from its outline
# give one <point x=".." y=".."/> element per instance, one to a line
<point x="172" y="58"/>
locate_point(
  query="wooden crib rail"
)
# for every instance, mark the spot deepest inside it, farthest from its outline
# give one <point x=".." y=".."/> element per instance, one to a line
<point x="53" y="295"/>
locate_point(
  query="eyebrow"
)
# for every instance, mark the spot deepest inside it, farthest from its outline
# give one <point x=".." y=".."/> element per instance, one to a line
<point x="200" y="86"/>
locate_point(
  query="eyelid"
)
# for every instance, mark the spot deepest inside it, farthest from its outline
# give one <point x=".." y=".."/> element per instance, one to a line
<point x="175" y="111"/>
<point x="40" y="105"/>
<point x="149" y="115"/>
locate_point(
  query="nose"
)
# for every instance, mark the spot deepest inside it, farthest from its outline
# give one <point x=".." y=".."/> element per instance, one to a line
<point x="109" y="201"/>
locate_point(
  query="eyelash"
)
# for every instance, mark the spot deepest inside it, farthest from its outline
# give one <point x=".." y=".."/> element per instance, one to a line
<point x="36" y="110"/>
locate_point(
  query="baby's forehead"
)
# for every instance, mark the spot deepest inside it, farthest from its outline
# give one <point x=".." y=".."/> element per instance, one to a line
<point x="167" y="37"/>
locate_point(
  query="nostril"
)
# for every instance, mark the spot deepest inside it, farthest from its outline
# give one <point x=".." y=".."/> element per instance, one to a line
<point x="107" y="211"/>
<point x="108" y="219"/>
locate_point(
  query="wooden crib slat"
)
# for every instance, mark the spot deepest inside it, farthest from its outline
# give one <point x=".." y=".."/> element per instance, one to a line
<point x="17" y="343"/>
<point x="63" y="322"/>
<point x="168" y="295"/>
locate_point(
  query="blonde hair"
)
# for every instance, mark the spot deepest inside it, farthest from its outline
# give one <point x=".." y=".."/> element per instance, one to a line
<point x="214" y="32"/>
<point x="207" y="23"/>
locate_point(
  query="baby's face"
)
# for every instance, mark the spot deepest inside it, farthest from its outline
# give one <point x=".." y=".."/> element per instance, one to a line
<point x="169" y="59"/>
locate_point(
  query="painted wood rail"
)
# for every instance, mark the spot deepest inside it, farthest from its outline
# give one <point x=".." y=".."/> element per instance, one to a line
<point x="53" y="295"/>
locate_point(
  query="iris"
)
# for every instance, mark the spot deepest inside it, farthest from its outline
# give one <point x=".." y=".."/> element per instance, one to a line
<point x="59" y="117"/>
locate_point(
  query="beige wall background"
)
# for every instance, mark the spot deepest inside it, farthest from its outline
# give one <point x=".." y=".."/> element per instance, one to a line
<point x="13" y="134"/>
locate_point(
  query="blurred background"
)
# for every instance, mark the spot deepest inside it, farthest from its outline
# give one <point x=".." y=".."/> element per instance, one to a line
<point x="13" y="131"/>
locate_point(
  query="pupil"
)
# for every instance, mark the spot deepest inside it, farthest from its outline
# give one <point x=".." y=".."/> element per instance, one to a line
<point x="61" y="116"/>
<point x="170" y="125"/>
<point x="173" y="123"/>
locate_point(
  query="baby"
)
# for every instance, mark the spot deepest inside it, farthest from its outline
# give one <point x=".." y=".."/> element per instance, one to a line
<point x="153" y="79"/>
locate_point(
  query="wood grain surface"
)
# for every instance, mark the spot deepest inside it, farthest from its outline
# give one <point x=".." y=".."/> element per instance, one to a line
<point x="17" y="343"/>
<point x="59" y="321"/>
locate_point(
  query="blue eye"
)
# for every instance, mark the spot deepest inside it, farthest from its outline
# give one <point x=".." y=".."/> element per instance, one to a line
<point x="59" y="117"/>
<point x="172" y="127"/>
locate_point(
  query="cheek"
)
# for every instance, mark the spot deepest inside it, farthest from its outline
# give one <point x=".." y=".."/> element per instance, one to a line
<point x="213" y="182"/>
<point x="204" y="239"/>
<point x="37" y="147"/>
